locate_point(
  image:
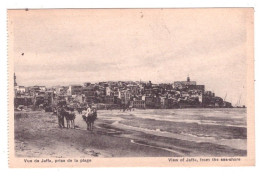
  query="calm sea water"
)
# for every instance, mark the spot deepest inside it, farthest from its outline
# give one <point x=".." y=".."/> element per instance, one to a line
<point x="219" y="126"/>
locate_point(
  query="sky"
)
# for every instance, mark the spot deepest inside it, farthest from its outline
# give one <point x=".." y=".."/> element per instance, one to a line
<point x="62" y="47"/>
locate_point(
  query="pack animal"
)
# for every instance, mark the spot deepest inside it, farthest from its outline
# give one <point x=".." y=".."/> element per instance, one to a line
<point x="90" y="119"/>
<point x="70" y="118"/>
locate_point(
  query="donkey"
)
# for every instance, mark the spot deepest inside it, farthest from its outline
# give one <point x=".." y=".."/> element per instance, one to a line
<point x="90" y="120"/>
<point x="70" y="118"/>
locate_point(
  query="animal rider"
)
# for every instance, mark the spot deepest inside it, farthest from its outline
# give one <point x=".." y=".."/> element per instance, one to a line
<point x="86" y="113"/>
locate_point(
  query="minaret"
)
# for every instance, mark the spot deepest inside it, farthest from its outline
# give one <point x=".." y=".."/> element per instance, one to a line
<point x="15" y="84"/>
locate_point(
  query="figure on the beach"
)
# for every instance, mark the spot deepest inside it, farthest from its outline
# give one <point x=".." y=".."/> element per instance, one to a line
<point x="126" y="108"/>
<point x="90" y="115"/>
<point x="91" y="119"/>
<point x="69" y="116"/>
<point x="60" y="117"/>
<point x="86" y="112"/>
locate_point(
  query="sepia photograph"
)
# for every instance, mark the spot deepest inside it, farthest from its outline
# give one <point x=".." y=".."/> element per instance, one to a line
<point x="100" y="86"/>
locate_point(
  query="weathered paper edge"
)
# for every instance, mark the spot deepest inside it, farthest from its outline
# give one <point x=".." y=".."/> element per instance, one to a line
<point x="15" y="162"/>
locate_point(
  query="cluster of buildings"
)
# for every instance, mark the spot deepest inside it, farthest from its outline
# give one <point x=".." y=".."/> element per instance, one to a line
<point x="136" y="94"/>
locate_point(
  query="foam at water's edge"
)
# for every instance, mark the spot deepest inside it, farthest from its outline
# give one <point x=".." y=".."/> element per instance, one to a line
<point x="236" y="144"/>
<point x="203" y="116"/>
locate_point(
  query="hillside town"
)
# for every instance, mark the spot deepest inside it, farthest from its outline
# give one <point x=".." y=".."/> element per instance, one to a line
<point x="115" y="95"/>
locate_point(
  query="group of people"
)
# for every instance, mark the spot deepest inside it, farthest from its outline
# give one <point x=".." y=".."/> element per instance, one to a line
<point x="89" y="114"/>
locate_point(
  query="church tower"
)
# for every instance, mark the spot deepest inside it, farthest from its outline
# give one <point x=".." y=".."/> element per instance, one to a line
<point x="188" y="78"/>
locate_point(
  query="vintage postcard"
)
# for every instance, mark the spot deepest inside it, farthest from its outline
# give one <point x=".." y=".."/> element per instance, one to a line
<point x="131" y="87"/>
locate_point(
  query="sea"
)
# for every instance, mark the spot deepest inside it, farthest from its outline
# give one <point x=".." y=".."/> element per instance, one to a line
<point x="227" y="126"/>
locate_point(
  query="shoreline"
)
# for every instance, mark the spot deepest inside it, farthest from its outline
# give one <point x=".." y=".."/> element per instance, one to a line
<point x="37" y="135"/>
<point x="188" y="107"/>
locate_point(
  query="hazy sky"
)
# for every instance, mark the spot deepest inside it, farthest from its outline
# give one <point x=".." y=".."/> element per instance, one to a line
<point x="74" y="46"/>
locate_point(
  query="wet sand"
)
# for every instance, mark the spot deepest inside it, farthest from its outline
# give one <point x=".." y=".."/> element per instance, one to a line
<point x="37" y="135"/>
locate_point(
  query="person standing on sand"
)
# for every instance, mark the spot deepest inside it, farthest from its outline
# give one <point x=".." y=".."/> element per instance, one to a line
<point x="84" y="112"/>
<point x="60" y="115"/>
<point x="94" y="114"/>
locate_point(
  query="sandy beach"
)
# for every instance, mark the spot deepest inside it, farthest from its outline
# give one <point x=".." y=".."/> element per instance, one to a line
<point x="37" y="135"/>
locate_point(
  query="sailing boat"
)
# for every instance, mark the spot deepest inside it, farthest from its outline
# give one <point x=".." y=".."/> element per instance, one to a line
<point x="227" y="104"/>
<point x="238" y="105"/>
